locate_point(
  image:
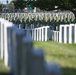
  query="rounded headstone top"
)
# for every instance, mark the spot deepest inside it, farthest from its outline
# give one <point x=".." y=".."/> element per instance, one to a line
<point x="27" y="39"/>
<point x="38" y="52"/>
<point x="53" y="69"/>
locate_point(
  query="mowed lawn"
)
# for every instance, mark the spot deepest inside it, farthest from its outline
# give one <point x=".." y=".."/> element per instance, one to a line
<point x="62" y="54"/>
<point x="4" y="70"/>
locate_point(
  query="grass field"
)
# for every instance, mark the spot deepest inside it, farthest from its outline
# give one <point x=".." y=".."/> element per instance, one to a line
<point x="62" y="54"/>
<point x="3" y="69"/>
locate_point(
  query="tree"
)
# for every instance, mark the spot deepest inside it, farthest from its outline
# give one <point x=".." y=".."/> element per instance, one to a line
<point x="62" y="4"/>
<point x="19" y="4"/>
<point x="2" y="5"/>
<point x="11" y="5"/>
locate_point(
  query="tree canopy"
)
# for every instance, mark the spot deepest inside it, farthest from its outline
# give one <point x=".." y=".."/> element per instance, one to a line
<point x="49" y="4"/>
<point x="2" y="5"/>
<point x="19" y="4"/>
<point x="62" y="4"/>
<point x="11" y="5"/>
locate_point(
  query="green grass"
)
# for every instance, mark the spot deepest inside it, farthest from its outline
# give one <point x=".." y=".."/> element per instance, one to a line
<point x="62" y="54"/>
<point x="3" y="70"/>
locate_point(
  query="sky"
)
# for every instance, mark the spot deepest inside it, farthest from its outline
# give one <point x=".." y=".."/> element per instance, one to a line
<point x="4" y="1"/>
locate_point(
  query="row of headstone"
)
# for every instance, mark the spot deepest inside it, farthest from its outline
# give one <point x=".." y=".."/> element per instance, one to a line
<point x="55" y="35"/>
<point x="65" y="34"/>
<point x="52" y="16"/>
<point x="34" y="20"/>
<point x="3" y="39"/>
<point x="20" y="55"/>
<point x="39" y="34"/>
<point x="39" y="23"/>
<point x="39" y="13"/>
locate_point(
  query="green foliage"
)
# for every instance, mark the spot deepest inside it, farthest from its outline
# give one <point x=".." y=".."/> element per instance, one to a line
<point x="11" y="5"/>
<point x="50" y="5"/>
<point x="19" y="4"/>
<point x="2" y="5"/>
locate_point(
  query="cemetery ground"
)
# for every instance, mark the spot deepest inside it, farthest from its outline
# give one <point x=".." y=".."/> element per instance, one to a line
<point x="62" y="54"/>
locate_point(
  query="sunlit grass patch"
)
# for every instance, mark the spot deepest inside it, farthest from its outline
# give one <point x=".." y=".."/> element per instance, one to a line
<point x="63" y="54"/>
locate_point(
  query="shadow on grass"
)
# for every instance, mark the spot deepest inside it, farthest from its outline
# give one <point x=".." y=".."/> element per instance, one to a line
<point x="66" y="71"/>
<point x="3" y="73"/>
<point x="69" y="71"/>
